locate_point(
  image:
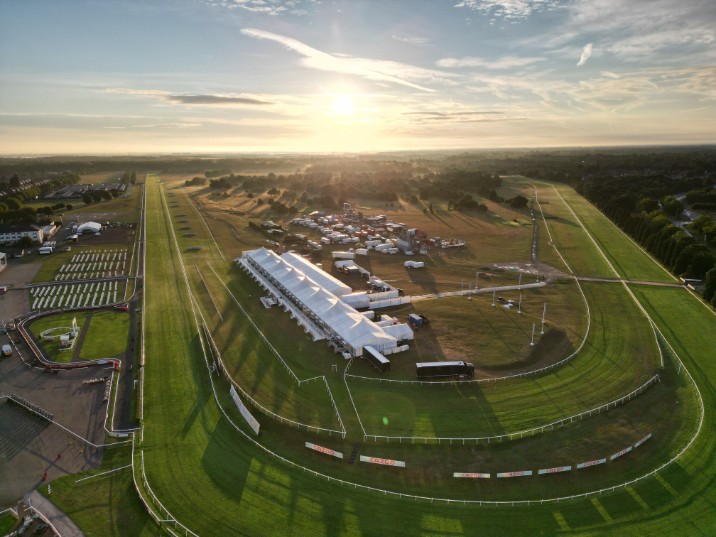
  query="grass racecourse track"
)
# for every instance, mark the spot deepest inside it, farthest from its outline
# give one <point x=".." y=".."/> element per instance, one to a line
<point x="219" y="481"/>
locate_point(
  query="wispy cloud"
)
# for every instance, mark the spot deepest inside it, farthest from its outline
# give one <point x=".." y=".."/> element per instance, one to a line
<point x="265" y="7"/>
<point x="376" y="70"/>
<point x="639" y="29"/>
<point x="412" y="40"/>
<point x="204" y="99"/>
<point x="506" y="62"/>
<point x="214" y="99"/>
<point x="470" y="116"/>
<point x="509" y="9"/>
<point x="586" y="54"/>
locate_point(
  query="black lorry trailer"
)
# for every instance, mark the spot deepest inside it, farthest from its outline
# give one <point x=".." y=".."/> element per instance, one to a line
<point x="376" y="359"/>
<point x="444" y="369"/>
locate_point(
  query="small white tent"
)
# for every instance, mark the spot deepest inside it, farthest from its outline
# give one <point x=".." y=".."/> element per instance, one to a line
<point x="89" y="227"/>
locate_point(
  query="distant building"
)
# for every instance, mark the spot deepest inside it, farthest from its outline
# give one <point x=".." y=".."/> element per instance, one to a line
<point x="3" y="261"/>
<point x="10" y="233"/>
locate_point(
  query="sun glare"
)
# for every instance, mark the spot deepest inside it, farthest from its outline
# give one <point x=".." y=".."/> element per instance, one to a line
<point x="342" y="105"/>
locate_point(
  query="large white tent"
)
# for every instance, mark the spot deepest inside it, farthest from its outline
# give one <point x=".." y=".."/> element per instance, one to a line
<point x="345" y="326"/>
<point x="321" y="277"/>
<point x="89" y="227"/>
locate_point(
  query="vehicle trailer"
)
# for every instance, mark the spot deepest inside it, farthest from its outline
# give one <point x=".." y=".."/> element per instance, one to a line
<point x="376" y="359"/>
<point x="444" y="369"/>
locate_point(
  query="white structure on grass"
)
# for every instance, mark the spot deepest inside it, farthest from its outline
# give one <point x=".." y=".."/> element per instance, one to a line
<point x="313" y="297"/>
<point x="89" y="227"/>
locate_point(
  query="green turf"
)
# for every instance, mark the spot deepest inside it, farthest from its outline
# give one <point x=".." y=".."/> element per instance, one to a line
<point x="52" y="348"/>
<point x="105" y="505"/>
<point x="243" y="491"/>
<point x="106" y="336"/>
<point x="7" y="523"/>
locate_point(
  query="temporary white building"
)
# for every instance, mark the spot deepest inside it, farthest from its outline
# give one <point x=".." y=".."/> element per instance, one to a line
<point x="321" y="277"/>
<point x="89" y="227"/>
<point x="344" y="325"/>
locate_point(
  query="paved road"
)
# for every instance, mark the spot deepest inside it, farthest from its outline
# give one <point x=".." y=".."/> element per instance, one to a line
<point x="638" y="282"/>
<point x="62" y="523"/>
<point x="431" y="296"/>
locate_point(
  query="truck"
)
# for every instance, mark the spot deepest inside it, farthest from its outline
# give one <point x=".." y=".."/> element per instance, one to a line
<point x="444" y="369"/>
<point x="6" y="350"/>
<point x="415" y="320"/>
<point x="376" y="359"/>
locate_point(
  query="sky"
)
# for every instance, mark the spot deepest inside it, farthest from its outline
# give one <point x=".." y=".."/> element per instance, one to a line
<point x="248" y="76"/>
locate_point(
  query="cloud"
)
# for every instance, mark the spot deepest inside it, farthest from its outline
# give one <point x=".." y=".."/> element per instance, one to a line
<point x="506" y="62"/>
<point x="418" y="41"/>
<point x="640" y="29"/>
<point x="213" y="99"/>
<point x="515" y="10"/>
<point x="204" y="99"/>
<point x="264" y="7"/>
<point x="470" y="116"/>
<point x="376" y="70"/>
<point x="586" y="54"/>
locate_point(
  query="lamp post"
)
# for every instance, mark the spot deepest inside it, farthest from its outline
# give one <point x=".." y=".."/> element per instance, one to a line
<point x="544" y="312"/>
<point x="532" y="343"/>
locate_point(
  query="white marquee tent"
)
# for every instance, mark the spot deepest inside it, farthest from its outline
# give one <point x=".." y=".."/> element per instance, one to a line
<point x="342" y="321"/>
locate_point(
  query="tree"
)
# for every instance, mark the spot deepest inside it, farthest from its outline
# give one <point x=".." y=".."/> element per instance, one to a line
<point x="648" y="205"/>
<point x="518" y="202"/>
<point x="23" y="242"/>
<point x="87" y="198"/>
<point x="710" y="285"/>
<point x="671" y="206"/>
<point x="105" y="194"/>
<point x="133" y="178"/>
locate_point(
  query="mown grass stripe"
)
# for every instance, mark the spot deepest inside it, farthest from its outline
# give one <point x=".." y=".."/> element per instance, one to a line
<point x="600" y="508"/>
<point x="665" y="484"/>
<point x="561" y="521"/>
<point x="638" y="499"/>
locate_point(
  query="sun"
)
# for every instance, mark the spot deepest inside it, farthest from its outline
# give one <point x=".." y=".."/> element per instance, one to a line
<point x="342" y="105"/>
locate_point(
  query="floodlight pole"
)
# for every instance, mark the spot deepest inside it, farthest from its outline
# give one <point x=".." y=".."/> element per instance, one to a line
<point x="532" y="343"/>
<point x="493" y="297"/>
<point x="544" y="312"/>
<point x="519" y="286"/>
<point x="477" y="280"/>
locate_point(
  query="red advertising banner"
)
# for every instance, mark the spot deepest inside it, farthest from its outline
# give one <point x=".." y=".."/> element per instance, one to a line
<point x="555" y="470"/>
<point x="325" y="450"/>
<point x="640" y="442"/>
<point x="590" y="463"/>
<point x="620" y="453"/>
<point x="384" y="462"/>
<point x="471" y="475"/>
<point x="515" y="474"/>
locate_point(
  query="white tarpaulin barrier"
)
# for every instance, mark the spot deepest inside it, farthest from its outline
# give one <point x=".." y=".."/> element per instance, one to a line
<point x="515" y="474"/>
<point x="590" y="463"/>
<point x="640" y="442"/>
<point x="554" y="470"/>
<point x="383" y="462"/>
<point x="620" y="453"/>
<point x="245" y="411"/>
<point x="325" y="450"/>
<point x="471" y="475"/>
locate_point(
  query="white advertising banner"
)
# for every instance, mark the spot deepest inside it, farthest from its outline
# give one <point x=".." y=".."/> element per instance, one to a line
<point x="515" y="474"/>
<point x="471" y="475"/>
<point x="244" y="411"/>
<point x="384" y="462"/>
<point x="620" y="453"/>
<point x="640" y="442"/>
<point x="325" y="450"/>
<point x="590" y="463"/>
<point x="554" y="470"/>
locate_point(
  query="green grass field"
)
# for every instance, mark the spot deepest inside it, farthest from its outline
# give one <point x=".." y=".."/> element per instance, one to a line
<point x="217" y="481"/>
<point x="106" y="505"/>
<point x="52" y="348"/>
<point x="107" y="335"/>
